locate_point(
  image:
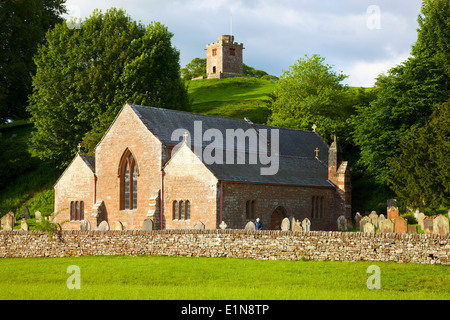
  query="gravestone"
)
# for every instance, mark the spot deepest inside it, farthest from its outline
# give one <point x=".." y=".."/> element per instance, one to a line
<point x="381" y="218"/>
<point x="292" y="220"/>
<point x="440" y="224"/>
<point x="118" y="226"/>
<point x="285" y="225"/>
<point x="38" y="216"/>
<point x="306" y="225"/>
<point x="85" y="225"/>
<point x="24" y="225"/>
<point x="250" y="226"/>
<point x="223" y="225"/>
<point x="342" y="223"/>
<point x="358" y="220"/>
<point x="412" y="229"/>
<point x="386" y="226"/>
<point x="400" y="225"/>
<point x="8" y="220"/>
<point x="26" y="213"/>
<point x="103" y="226"/>
<point x="199" y="226"/>
<point x="369" y="227"/>
<point x="363" y="221"/>
<point x="374" y="219"/>
<point x="392" y="209"/>
<point x="148" y="225"/>
<point x="428" y="225"/>
<point x="298" y="226"/>
<point x="420" y="218"/>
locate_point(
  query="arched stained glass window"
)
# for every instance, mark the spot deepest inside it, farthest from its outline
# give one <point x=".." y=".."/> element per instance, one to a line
<point x="128" y="173"/>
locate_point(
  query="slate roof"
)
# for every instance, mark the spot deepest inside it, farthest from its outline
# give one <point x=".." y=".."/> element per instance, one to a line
<point x="297" y="162"/>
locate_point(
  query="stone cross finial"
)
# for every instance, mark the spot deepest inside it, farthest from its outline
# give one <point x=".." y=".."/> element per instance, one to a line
<point x="317" y="153"/>
<point x="314" y="127"/>
<point x="79" y="147"/>
<point x="185" y="136"/>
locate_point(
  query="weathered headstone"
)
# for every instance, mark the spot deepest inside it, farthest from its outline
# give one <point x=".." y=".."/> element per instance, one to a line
<point x="342" y="223"/>
<point x="285" y="225"/>
<point x="363" y="221"/>
<point x="8" y="220"/>
<point x="420" y="218"/>
<point x="85" y="225"/>
<point x="24" y="225"/>
<point x="440" y="224"/>
<point x="298" y="226"/>
<point x="118" y="226"/>
<point x="250" y="226"/>
<point x="381" y="218"/>
<point x="392" y="209"/>
<point x="358" y="218"/>
<point x="38" y="216"/>
<point x="306" y="225"/>
<point x="223" y="225"/>
<point x="26" y="213"/>
<point x="412" y="229"/>
<point x="199" y="226"/>
<point x="148" y="225"/>
<point x="400" y="225"/>
<point x="386" y="226"/>
<point x="428" y="224"/>
<point x="103" y="226"/>
<point x="374" y="219"/>
<point x="369" y="227"/>
<point x="292" y="220"/>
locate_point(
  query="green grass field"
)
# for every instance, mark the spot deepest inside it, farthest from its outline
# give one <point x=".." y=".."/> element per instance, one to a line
<point x="190" y="278"/>
<point x="233" y="97"/>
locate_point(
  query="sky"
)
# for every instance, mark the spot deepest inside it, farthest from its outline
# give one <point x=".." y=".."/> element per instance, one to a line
<point x="361" y="38"/>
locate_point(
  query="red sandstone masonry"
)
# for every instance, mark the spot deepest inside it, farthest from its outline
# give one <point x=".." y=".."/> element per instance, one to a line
<point x="277" y="245"/>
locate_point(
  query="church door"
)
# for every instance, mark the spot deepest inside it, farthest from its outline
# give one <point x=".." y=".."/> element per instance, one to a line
<point x="277" y="217"/>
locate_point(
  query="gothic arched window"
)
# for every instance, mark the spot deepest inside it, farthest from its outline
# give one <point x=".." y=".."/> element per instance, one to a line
<point x="128" y="173"/>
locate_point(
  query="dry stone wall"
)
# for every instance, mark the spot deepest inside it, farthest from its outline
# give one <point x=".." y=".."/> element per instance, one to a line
<point x="281" y="245"/>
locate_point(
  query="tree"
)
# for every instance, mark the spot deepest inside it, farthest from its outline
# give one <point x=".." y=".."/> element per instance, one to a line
<point x="23" y="24"/>
<point x="408" y="94"/>
<point x="85" y="75"/>
<point x="309" y="93"/>
<point x="421" y="171"/>
<point x="195" y="68"/>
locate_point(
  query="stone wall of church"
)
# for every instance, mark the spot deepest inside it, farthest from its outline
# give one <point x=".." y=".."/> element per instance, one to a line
<point x="130" y="133"/>
<point x="76" y="184"/>
<point x="280" y="245"/>
<point x="296" y="202"/>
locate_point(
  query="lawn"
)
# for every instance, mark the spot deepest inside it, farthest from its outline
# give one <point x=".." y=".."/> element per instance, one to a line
<point x="190" y="278"/>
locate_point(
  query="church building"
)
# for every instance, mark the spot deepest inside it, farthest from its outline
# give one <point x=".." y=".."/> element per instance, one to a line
<point x="178" y="169"/>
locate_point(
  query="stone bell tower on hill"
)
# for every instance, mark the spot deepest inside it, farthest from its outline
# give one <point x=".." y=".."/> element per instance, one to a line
<point x="224" y="58"/>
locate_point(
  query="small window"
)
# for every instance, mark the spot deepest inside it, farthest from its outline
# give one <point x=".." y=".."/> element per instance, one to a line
<point x="214" y="52"/>
<point x="175" y="210"/>
<point x="214" y="69"/>
<point x="250" y="209"/>
<point x="76" y="210"/>
<point x="232" y="51"/>
<point x="317" y="207"/>
<point x="188" y="210"/>
<point x="182" y="210"/>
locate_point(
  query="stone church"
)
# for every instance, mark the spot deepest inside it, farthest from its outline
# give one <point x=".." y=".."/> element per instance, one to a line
<point x="178" y="169"/>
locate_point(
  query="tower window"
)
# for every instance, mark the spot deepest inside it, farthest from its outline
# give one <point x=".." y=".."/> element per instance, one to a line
<point x="232" y="51"/>
<point x="214" y="52"/>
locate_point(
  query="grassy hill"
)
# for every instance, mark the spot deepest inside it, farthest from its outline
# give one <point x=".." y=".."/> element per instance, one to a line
<point x="233" y="97"/>
<point x="31" y="182"/>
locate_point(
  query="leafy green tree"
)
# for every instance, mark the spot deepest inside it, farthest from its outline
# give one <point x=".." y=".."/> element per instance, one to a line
<point x="195" y="68"/>
<point x="408" y="94"/>
<point x="421" y="171"/>
<point x="85" y="75"/>
<point x="23" y="24"/>
<point x="310" y="92"/>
